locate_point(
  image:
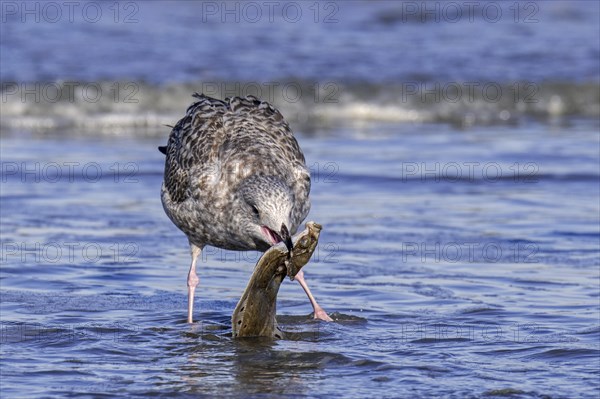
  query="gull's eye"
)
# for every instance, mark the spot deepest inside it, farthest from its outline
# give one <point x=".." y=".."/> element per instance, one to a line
<point x="255" y="210"/>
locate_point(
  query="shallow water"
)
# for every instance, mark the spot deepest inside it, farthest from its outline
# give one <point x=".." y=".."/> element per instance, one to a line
<point x="460" y="252"/>
<point x="482" y="285"/>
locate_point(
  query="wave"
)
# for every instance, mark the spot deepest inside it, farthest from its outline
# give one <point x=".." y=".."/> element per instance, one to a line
<point x="115" y="107"/>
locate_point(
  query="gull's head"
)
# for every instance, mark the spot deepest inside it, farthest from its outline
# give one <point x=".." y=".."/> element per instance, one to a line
<point x="268" y="203"/>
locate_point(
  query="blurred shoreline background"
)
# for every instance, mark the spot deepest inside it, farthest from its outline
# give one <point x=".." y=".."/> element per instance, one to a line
<point x="133" y="65"/>
<point x="454" y="149"/>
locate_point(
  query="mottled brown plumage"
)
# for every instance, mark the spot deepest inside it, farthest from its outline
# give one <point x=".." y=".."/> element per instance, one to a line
<point x="235" y="178"/>
<point x="226" y="160"/>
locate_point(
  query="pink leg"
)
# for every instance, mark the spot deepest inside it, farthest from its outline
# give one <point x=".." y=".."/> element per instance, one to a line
<point x="192" y="281"/>
<point x="319" y="312"/>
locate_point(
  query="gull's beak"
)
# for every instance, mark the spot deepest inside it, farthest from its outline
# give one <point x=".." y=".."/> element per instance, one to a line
<point x="287" y="239"/>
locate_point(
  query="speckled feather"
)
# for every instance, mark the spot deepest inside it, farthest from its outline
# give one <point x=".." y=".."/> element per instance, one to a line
<point x="222" y="155"/>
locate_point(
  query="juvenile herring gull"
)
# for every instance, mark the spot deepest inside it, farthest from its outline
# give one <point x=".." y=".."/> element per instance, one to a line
<point x="235" y="178"/>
